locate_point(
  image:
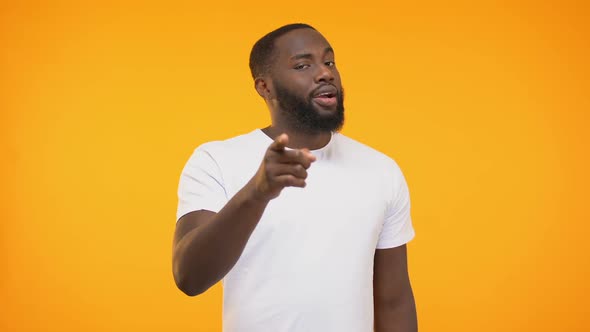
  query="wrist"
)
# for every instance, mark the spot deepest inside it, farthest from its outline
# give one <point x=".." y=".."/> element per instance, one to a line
<point x="254" y="195"/>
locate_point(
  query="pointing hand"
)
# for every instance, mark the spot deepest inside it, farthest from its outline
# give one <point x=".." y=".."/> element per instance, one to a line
<point x="281" y="168"/>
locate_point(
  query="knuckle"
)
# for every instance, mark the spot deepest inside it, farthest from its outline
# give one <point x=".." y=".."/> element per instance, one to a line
<point x="270" y="170"/>
<point x="301" y="170"/>
<point x="281" y="180"/>
<point x="292" y="181"/>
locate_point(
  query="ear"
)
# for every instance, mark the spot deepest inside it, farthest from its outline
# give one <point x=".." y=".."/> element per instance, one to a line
<point x="262" y="86"/>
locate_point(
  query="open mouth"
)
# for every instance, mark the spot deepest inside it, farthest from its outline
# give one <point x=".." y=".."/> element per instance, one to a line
<point x="326" y="98"/>
<point x="326" y="95"/>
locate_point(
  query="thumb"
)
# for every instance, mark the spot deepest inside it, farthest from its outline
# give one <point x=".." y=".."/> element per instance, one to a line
<point x="280" y="143"/>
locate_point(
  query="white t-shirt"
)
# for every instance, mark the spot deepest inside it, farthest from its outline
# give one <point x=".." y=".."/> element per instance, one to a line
<point x="308" y="265"/>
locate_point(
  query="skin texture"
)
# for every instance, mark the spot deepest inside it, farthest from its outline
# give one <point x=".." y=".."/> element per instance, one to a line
<point x="395" y="309"/>
<point x="304" y="63"/>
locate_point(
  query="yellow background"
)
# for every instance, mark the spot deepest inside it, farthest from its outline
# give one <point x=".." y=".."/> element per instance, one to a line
<point x="485" y="106"/>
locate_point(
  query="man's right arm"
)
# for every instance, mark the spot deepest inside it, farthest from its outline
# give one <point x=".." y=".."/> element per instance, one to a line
<point x="208" y="244"/>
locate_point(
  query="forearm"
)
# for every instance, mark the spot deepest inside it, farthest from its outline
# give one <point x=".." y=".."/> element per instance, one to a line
<point x="208" y="252"/>
<point x="398" y="315"/>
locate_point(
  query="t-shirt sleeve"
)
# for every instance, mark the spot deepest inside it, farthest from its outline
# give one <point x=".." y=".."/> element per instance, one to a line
<point x="397" y="227"/>
<point x="201" y="185"/>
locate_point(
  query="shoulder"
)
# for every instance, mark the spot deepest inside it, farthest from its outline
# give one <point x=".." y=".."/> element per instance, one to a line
<point x="235" y="154"/>
<point x="366" y="154"/>
<point x="231" y="145"/>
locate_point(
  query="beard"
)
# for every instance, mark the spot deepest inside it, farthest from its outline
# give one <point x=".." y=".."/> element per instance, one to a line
<point x="303" y="116"/>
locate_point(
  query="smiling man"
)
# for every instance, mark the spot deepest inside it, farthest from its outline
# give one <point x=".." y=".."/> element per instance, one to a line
<point x="306" y="227"/>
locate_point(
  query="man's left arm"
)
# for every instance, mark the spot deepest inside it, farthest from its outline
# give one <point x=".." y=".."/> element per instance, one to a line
<point x="395" y="309"/>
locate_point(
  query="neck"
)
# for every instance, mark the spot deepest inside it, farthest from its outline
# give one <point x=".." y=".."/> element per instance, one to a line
<point x="298" y="139"/>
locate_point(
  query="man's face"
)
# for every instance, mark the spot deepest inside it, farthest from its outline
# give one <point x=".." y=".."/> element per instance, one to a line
<point x="306" y="82"/>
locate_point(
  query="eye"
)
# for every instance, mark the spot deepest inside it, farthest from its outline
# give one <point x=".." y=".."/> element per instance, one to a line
<point x="301" y="66"/>
<point x="330" y="63"/>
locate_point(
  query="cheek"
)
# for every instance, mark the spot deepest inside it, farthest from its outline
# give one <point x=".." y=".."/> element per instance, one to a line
<point x="336" y="76"/>
<point x="301" y="83"/>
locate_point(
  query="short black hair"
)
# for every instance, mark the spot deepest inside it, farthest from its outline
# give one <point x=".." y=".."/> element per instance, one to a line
<point x="263" y="50"/>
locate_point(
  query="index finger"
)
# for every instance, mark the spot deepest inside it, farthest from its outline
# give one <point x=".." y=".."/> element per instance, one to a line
<point x="279" y="143"/>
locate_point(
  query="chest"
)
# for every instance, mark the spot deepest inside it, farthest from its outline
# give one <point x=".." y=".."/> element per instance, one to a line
<point x="338" y="214"/>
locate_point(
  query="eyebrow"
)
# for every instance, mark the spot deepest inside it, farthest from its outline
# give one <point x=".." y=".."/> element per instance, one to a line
<point x="308" y="55"/>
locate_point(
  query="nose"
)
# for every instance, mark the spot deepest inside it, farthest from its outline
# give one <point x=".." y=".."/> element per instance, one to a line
<point x="324" y="74"/>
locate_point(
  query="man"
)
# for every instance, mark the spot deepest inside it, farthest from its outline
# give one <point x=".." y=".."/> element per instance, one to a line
<point x="306" y="227"/>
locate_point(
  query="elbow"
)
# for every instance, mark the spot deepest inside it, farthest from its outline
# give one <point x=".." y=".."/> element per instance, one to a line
<point x="186" y="281"/>
<point x="187" y="285"/>
<point x="186" y="289"/>
<point x="405" y="298"/>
